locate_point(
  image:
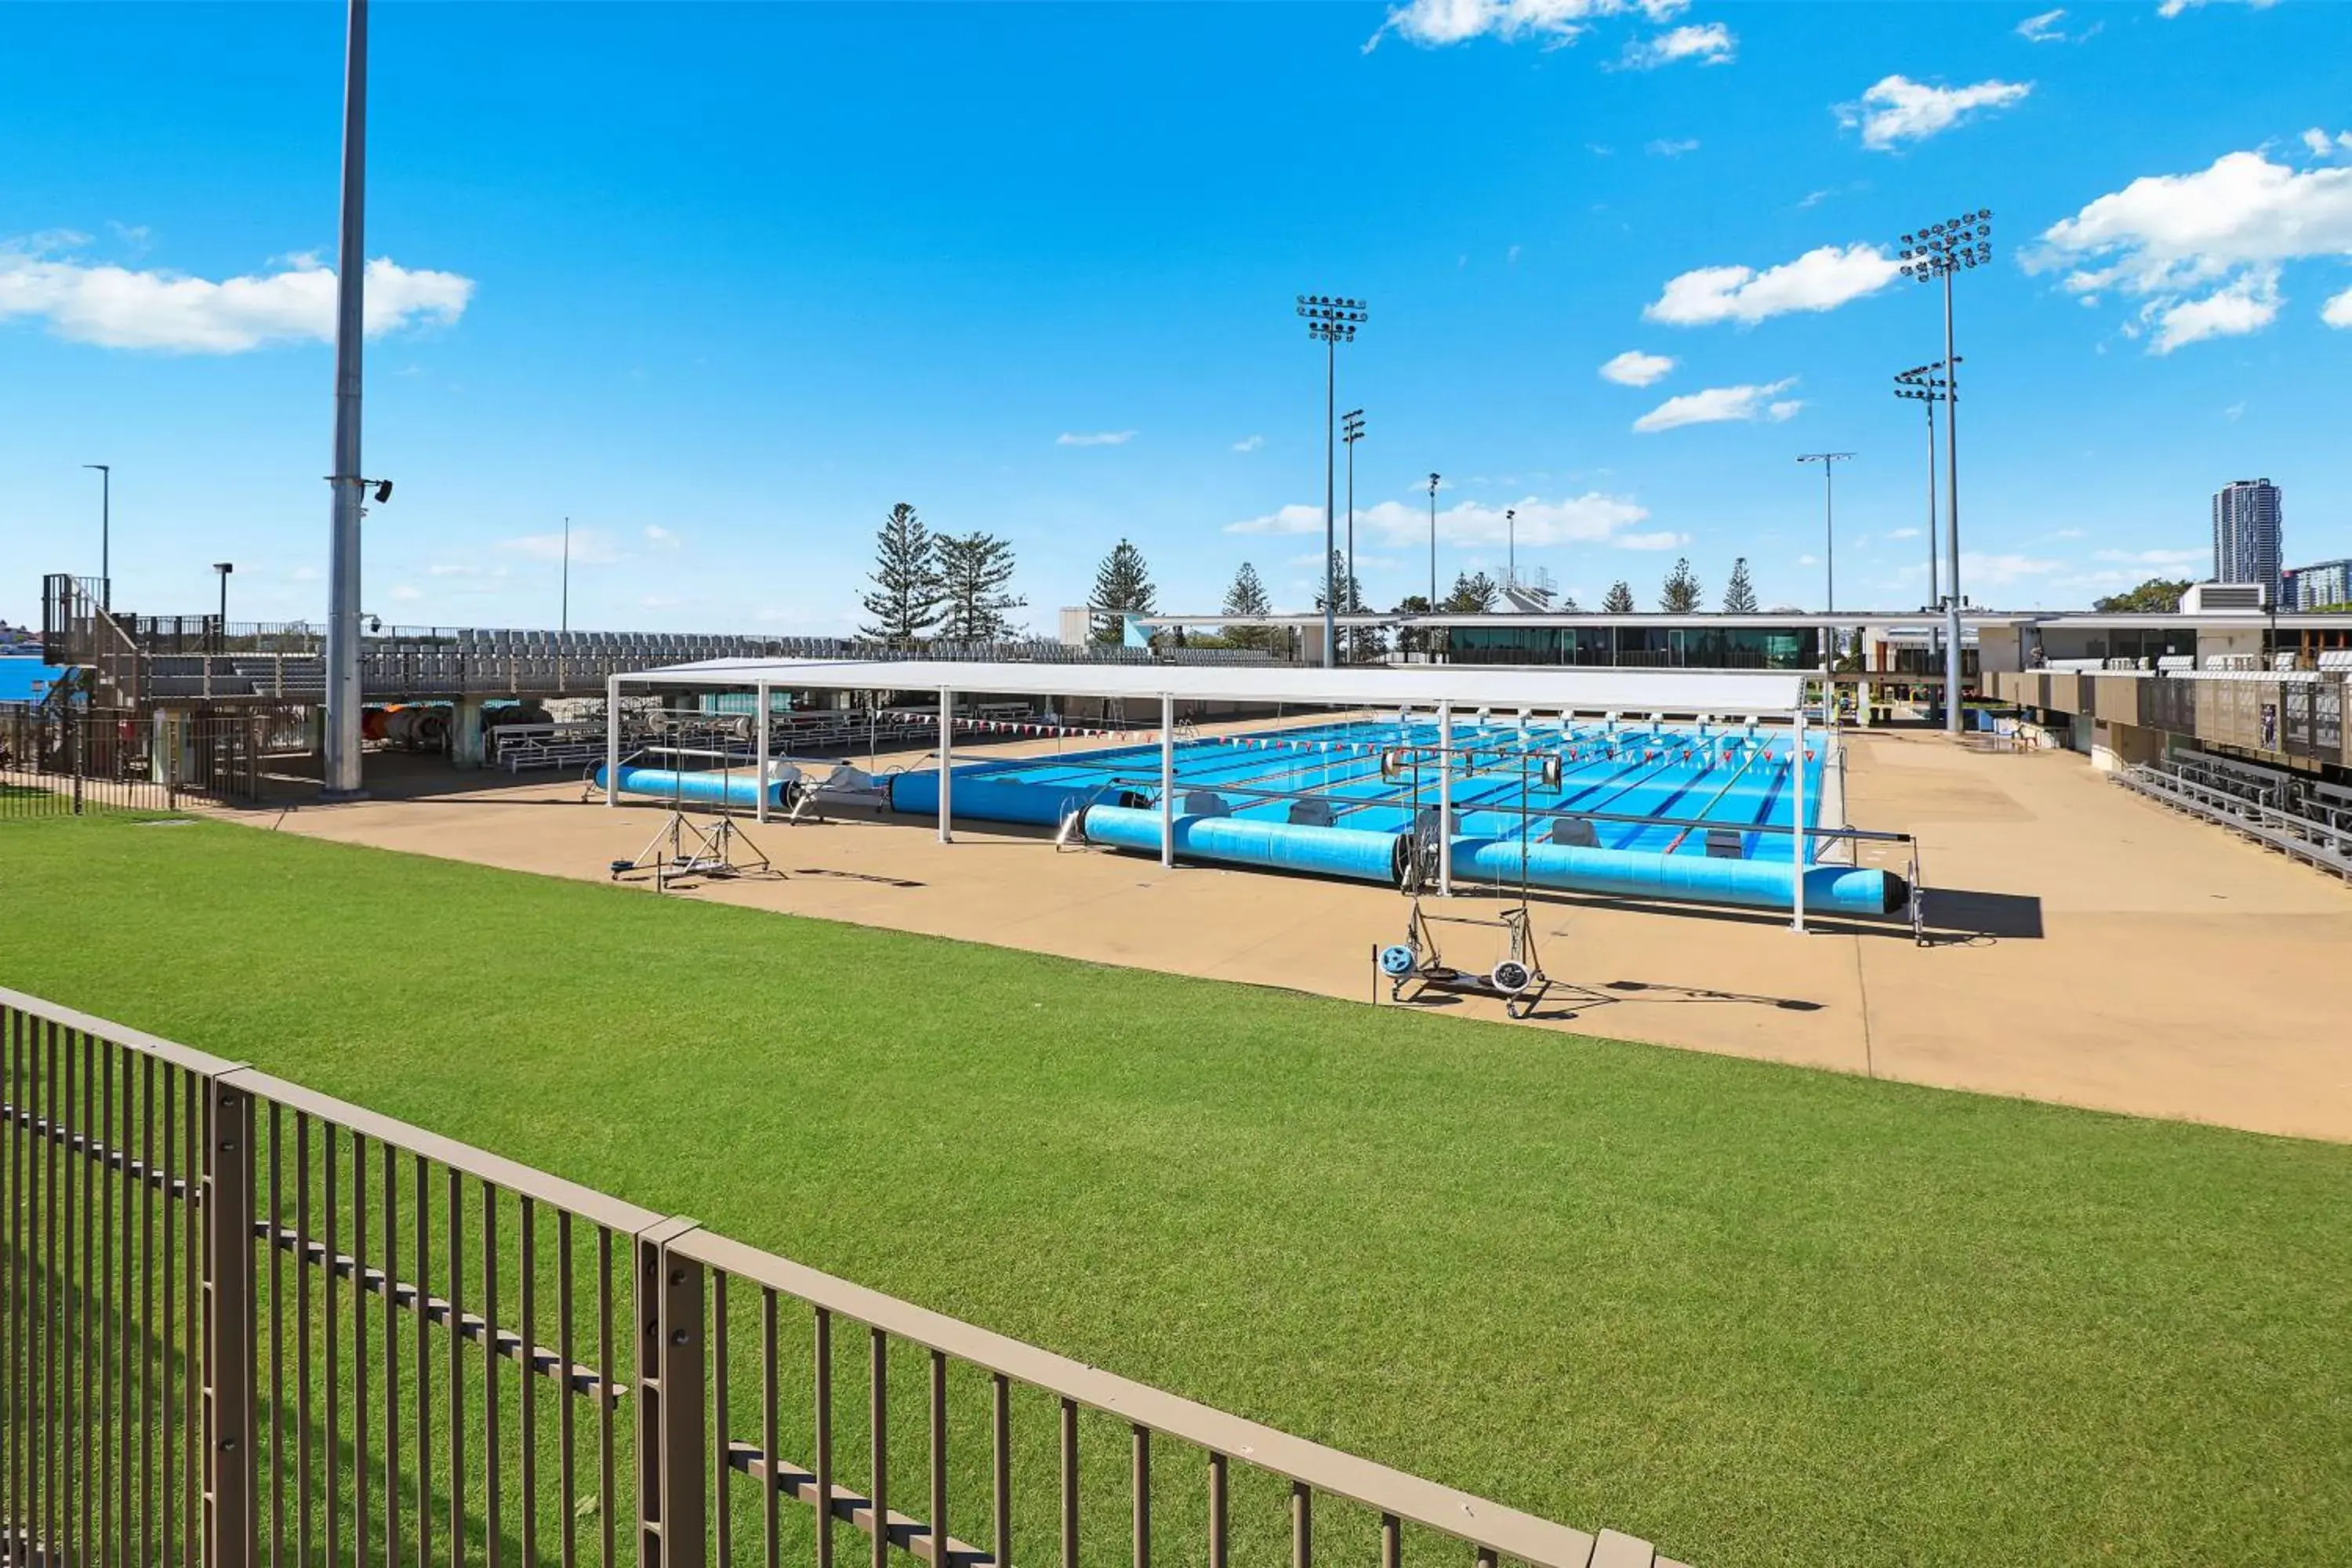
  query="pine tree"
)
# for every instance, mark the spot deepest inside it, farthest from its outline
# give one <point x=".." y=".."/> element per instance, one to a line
<point x="1739" y="594"/>
<point x="907" y="597"/>
<point x="1473" y="595"/>
<point x="1619" y="600"/>
<point x="1681" y="592"/>
<point x="1122" y="588"/>
<point x="1410" y="639"/>
<point x="974" y="569"/>
<point x="1247" y="596"/>
<point x="1361" y="645"/>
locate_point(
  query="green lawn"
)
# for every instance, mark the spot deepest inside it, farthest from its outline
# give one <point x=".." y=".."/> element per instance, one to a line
<point x="1757" y="1314"/>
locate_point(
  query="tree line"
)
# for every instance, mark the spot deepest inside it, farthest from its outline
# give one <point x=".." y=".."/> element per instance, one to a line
<point x="928" y="586"/>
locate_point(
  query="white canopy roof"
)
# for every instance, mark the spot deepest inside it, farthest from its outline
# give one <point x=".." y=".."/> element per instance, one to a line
<point x="1466" y="686"/>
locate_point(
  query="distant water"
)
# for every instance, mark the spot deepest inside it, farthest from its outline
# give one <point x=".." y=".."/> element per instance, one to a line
<point x="25" y="679"/>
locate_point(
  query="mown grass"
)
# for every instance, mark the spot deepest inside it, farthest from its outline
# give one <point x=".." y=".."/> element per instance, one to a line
<point x="1757" y="1314"/>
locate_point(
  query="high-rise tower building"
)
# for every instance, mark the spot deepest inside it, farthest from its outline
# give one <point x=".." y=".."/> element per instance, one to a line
<point x="2246" y="535"/>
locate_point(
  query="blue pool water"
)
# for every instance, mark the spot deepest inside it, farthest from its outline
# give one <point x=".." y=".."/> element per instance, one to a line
<point x="1719" y="774"/>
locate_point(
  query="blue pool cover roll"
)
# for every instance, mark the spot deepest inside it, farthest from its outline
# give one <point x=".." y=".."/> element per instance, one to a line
<point x="715" y="788"/>
<point x="1348" y="852"/>
<point x="1641" y="874"/>
<point x="985" y="799"/>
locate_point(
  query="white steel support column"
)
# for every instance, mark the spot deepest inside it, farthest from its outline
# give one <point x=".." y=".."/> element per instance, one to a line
<point x="1797" y="837"/>
<point x="947" y="746"/>
<point x="1445" y="800"/>
<point x="612" y="742"/>
<point x="759" y="753"/>
<point x="1167" y="782"/>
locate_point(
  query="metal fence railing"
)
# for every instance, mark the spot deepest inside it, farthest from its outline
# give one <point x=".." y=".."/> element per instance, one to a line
<point x="56" y="759"/>
<point x="245" y="1323"/>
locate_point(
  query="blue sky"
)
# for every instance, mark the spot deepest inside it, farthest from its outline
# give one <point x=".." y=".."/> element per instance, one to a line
<point x="723" y="283"/>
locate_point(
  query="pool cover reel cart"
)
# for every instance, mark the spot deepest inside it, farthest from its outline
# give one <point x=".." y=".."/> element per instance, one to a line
<point x="1518" y="978"/>
<point x="686" y="849"/>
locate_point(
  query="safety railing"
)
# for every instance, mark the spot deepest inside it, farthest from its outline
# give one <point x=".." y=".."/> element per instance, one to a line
<point x="249" y="1323"/>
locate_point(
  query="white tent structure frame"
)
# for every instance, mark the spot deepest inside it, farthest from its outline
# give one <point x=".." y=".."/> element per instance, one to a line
<point x="1442" y="688"/>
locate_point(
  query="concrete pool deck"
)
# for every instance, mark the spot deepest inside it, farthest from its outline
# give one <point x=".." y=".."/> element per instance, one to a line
<point x="2091" y="948"/>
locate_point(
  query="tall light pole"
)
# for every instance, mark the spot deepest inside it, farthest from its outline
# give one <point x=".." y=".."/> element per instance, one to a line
<point x="1332" y="320"/>
<point x="1938" y="251"/>
<point x="105" y="534"/>
<point x="1351" y="430"/>
<point x="341" y="761"/>
<point x="1924" y="385"/>
<point x="565" y="618"/>
<point x="1510" y="548"/>
<point x="224" y="568"/>
<point x="1829" y="462"/>
<point x="1432" y="541"/>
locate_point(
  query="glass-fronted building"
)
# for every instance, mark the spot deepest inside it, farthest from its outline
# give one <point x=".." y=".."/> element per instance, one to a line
<point x="1696" y="647"/>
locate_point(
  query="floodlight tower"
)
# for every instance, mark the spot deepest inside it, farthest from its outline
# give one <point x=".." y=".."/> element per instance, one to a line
<point x="1938" y="251"/>
<point x="1922" y="385"/>
<point x="1351" y="430"/>
<point x="1331" y="320"/>
<point x="1829" y="462"/>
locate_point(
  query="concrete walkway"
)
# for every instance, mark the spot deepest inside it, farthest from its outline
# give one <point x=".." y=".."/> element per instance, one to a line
<point x="2091" y="948"/>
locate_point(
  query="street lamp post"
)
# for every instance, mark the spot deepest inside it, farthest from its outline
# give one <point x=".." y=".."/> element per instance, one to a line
<point x="1433" y="541"/>
<point x="1829" y="462"/>
<point x="564" y="619"/>
<point x="105" y="534"/>
<point x="1510" y="548"/>
<point x="1938" y="251"/>
<point x="1351" y="430"/>
<point x="1331" y="320"/>
<point x="224" y="568"/>
<point x="341" y="761"/>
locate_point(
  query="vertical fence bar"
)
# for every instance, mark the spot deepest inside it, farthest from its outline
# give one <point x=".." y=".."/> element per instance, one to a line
<point x="302" y="1442"/>
<point x="12" y="1537"/>
<point x="86" y="1125"/>
<point x="1217" y="1524"/>
<point x="330" y="1345"/>
<point x="938" y="1499"/>
<point x="1302" y="1525"/>
<point x="423" y="1355"/>
<point x="359" y="1476"/>
<point x="276" y="1337"/>
<point x="196" y="1109"/>
<point x="119" y="1308"/>
<point x="1070" y="1483"/>
<point x="721" y="1522"/>
<point x="566" y="1469"/>
<point x="823" y="1399"/>
<point x="1000" y="1529"/>
<point x="167" y="1478"/>
<point x="228" y="1357"/>
<point x="878" y="1419"/>
<point x="607" y="1502"/>
<point x="455" y="1193"/>
<point x="527" y="1386"/>
<point x="390" y="1177"/>
<point x="1392" y="1543"/>
<point x="68" y="1409"/>
<point x="1142" y="1483"/>
<point x="674" y="1412"/>
<point x="768" y="1499"/>
<point x="492" y="1541"/>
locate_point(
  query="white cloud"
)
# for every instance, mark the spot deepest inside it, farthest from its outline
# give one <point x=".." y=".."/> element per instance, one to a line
<point x="1897" y="109"/>
<point x="2203" y="250"/>
<point x="405" y="592"/>
<point x="1718" y="404"/>
<point x="1820" y="280"/>
<point x="1671" y="147"/>
<point x="2338" y="312"/>
<point x="661" y="538"/>
<point x="1249" y="443"/>
<point x="1809" y="559"/>
<point x="1435" y="23"/>
<point x="1095" y="439"/>
<point x="117" y="307"/>
<point x="590" y="547"/>
<point x="2321" y="145"/>
<point x="2247" y="304"/>
<point x="1902" y="533"/>
<point x="2153" y="557"/>
<point x="1634" y="368"/>
<point x="1710" y="44"/>
<point x="1787" y="409"/>
<point x="2043" y="28"/>
<point x="2174" y="7"/>
<point x="1589" y="519"/>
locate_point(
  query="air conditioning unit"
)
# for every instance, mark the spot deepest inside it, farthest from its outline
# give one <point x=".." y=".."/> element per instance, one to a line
<point x="2221" y="598"/>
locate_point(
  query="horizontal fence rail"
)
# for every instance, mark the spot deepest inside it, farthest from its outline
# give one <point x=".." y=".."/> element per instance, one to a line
<point x="247" y="1324"/>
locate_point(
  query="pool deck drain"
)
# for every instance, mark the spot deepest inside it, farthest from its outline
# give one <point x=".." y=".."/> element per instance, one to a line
<point x="2093" y="949"/>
